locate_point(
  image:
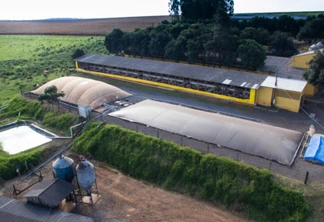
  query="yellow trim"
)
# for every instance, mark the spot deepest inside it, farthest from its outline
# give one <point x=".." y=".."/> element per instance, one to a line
<point x="251" y="100"/>
<point x="252" y="96"/>
<point x="76" y="65"/>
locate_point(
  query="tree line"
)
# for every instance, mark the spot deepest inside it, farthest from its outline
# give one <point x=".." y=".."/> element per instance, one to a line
<point x="203" y="32"/>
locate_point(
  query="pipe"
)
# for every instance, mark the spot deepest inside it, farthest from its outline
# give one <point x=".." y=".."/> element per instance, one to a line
<point x="47" y="161"/>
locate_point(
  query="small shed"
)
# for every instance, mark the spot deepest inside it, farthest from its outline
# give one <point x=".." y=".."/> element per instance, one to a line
<point x="50" y="192"/>
<point x="315" y="149"/>
<point x="282" y="93"/>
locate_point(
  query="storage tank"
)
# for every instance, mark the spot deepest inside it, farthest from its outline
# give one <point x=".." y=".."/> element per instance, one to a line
<point x="63" y="168"/>
<point x="86" y="174"/>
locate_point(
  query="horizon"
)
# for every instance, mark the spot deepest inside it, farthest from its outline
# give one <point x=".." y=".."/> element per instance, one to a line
<point x="19" y="10"/>
<point x="74" y="18"/>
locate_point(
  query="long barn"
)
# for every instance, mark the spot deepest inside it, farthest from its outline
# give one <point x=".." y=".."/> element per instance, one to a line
<point x="236" y="86"/>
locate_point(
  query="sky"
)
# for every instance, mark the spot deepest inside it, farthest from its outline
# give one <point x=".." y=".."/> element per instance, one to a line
<point x="43" y="9"/>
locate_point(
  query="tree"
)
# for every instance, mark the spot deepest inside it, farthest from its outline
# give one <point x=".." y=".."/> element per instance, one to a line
<point x="313" y="29"/>
<point x="282" y="45"/>
<point x="160" y="37"/>
<point x="50" y="95"/>
<point x="175" y="50"/>
<point x="195" y="10"/>
<point x="260" y="35"/>
<point x="77" y="53"/>
<point x="252" y="54"/>
<point x="114" y="41"/>
<point x="315" y="73"/>
<point x="221" y="46"/>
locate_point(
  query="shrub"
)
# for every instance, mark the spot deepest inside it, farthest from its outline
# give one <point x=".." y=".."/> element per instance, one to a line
<point x="8" y="162"/>
<point x="182" y="169"/>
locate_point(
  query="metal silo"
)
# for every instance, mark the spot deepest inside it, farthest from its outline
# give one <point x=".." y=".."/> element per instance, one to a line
<point x="63" y="168"/>
<point x="85" y="174"/>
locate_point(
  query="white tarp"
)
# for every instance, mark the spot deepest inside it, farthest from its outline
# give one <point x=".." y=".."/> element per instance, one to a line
<point x="263" y="140"/>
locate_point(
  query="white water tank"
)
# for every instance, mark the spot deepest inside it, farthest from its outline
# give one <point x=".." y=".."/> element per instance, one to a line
<point x="86" y="174"/>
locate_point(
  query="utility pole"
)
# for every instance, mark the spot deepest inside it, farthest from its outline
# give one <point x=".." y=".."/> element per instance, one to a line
<point x="274" y="90"/>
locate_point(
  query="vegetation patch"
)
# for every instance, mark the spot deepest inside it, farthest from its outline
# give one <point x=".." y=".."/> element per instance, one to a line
<point x="9" y="163"/>
<point x="44" y="114"/>
<point x="212" y="178"/>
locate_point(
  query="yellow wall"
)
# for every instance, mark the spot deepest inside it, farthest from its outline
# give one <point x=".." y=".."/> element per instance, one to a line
<point x="251" y="100"/>
<point x="264" y="96"/>
<point x="301" y="61"/>
<point x="310" y="90"/>
<point x="288" y="100"/>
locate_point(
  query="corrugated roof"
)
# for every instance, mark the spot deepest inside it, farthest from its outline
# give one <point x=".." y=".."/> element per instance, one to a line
<point x="83" y="91"/>
<point x="282" y="66"/>
<point x="254" y="138"/>
<point x="51" y="191"/>
<point x="12" y="210"/>
<point x="285" y="84"/>
<point x="201" y="73"/>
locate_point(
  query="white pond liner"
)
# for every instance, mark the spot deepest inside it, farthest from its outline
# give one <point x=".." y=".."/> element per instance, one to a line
<point x="21" y="138"/>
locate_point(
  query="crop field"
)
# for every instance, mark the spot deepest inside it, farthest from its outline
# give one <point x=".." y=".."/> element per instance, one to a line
<point x="78" y="27"/>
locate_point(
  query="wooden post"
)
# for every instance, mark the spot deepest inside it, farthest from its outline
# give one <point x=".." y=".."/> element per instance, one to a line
<point x="270" y="164"/>
<point x="306" y="177"/>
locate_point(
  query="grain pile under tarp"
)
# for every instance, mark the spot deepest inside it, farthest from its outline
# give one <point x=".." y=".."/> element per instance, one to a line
<point x="250" y="137"/>
<point x="83" y="91"/>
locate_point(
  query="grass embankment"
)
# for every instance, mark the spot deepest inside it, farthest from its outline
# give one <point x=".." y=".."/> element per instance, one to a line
<point x="212" y="178"/>
<point x="33" y="111"/>
<point x="29" y="56"/>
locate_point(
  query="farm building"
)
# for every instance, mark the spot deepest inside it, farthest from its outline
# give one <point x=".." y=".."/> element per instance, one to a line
<point x="302" y="60"/>
<point x="50" y="192"/>
<point x="283" y="93"/>
<point x="14" y="210"/>
<point x="269" y="142"/>
<point x="82" y="91"/>
<point x="236" y="86"/>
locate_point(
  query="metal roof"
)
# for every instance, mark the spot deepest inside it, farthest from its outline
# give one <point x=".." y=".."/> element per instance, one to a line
<point x="229" y="77"/>
<point x="285" y="84"/>
<point x="282" y="66"/>
<point x="51" y="191"/>
<point x="309" y="52"/>
<point x="250" y="137"/>
<point x="12" y="210"/>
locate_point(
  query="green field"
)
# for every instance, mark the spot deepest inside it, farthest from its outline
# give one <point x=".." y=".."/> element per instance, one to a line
<point x="26" y="47"/>
<point x="26" y="55"/>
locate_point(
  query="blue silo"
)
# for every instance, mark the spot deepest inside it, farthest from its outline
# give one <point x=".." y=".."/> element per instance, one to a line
<point x="63" y="168"/>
